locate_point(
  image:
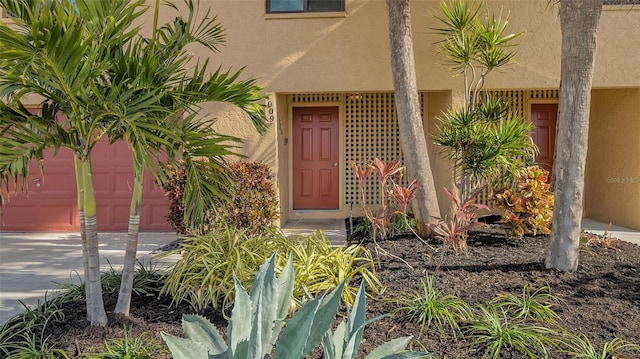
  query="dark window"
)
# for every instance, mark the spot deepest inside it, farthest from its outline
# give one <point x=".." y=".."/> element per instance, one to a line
<point x="621" y="2"/>
<point x="275" y="6"/>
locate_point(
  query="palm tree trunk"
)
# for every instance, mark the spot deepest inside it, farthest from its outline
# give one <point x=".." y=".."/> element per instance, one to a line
<point x="93" y="287"/>
<point x="128" y="271"/>
<point x="83" y="230"/>
<point x="414" y="143"/>
<point x="579" y="23"/>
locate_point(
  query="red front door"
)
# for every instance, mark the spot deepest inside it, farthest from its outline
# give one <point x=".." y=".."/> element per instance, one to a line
<point x="544" y="118"/>
<point x="315" y="158"/>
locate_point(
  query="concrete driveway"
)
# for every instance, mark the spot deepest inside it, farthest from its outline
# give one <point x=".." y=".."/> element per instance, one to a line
<point x="32" y="264"/>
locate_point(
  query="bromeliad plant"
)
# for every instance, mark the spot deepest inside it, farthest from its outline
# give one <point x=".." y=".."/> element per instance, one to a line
<point x="255" y="329"/>
<point x="528" y="205"/>
<point x="454" y="230"/>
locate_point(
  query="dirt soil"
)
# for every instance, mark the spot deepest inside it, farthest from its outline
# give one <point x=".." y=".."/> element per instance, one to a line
<point x="601" y="299"/>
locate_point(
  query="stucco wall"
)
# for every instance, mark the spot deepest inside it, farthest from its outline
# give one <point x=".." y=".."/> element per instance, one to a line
<point x="612" y="183"/>
<point x="349" y="51"/>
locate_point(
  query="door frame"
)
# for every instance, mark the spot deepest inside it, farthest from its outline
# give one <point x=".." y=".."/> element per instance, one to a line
<point x="342" y="167"/>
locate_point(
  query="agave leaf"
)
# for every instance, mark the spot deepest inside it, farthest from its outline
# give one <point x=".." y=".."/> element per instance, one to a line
<point x="324" y="317"/>
<point x="185" y="348"/>
<point x="239" y="328"/>
<point x="355" y="325"/>
<point x="264" y="294"/>
<point x="293" y="340"/>
<point x="285" y="284"/>
<point x="200" y="330"/>
<point x="391" y="347"/>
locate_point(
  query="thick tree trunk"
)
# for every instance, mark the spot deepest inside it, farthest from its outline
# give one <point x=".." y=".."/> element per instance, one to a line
<point x="93" y="287"/>
<point x="414" y="143"/>
<point x="579" y="23"/>
<point x="128" y="271"/>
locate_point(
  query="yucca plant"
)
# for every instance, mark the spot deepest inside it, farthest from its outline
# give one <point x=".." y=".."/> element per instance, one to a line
<point x="535" y="305"/>
<point x="320" y="267"/>
<point x="494" y="332"/>
<point x="430" y="306"/>
<point x="204" y="275"/>
<point x="580" y="347"/>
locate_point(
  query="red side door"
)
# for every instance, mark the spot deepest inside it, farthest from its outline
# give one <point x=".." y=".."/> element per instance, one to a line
<point x="315" y="158"/>
<point x="544" y="117"/>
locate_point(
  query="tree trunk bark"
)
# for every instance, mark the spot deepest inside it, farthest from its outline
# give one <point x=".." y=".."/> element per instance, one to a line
<point x="128" y="271"/>
<point x="414" y="143"/>
<point x="93" y="288"/>
<point x="579" y="23"/>
<point x="83" y="231"/>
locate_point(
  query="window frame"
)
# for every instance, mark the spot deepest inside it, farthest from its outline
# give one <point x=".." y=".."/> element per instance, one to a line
<point x="305" y="8"/>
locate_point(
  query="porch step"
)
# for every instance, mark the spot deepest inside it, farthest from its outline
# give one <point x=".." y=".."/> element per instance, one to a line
<point x="334" y="229"/>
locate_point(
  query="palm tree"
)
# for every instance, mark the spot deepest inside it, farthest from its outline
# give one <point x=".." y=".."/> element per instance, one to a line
<point x="64" y="65"/>
<point x="579" y="24"/>
<point x="175" y="133"/>
<point x="410" y="124"/>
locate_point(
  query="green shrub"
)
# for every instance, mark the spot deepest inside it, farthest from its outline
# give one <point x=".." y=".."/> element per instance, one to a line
<point x="320" y="267"/>
<point x="534" y="305"/>
<point x="433" y="306"/>
<point x="203" y="276"/>
<point x="580" y="347"/>
<point x="528" y="205"/>
<point x="255" y="329"/>
<point x="23" y="336"/>
<point x="494" y="332"/>
<point x="252" y="208"/>
<point x="125" y="348"/>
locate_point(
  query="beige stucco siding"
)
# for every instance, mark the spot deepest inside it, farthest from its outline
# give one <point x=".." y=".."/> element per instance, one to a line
<point x="349" y="51"/>
<point x="612" y="184"/>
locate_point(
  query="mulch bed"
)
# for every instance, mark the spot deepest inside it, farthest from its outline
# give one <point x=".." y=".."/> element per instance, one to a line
<point x="601" y="299"/>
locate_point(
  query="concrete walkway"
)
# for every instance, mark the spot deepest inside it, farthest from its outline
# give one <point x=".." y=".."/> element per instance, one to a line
<point x="32" y="263"/>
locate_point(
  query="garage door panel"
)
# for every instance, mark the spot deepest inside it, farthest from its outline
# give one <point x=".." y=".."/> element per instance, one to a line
<point x="52" y="206"/>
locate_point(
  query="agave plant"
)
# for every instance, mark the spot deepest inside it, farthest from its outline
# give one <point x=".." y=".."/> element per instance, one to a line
<point x="255" y="329"/>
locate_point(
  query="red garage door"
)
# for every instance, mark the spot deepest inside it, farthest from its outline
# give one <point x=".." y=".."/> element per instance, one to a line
<point x="51" y="204"/>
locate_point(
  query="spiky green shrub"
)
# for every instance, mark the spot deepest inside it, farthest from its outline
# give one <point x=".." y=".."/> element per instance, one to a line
<point x="321" y="267"/>
<point x="23" y="336"/>
<point x="253" y="207"/>
<point x="534" y="305"/>
<point x="493" y="332"/>
<point x="580" y="347"/>
<point x="125" y="348"/>
<point x="255" y="327"/>
<point x="204" y="275"/>
<point x="431" y="306"/>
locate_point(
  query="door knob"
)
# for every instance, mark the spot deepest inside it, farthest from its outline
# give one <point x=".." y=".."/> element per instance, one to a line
<point x="335" y="164"/>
